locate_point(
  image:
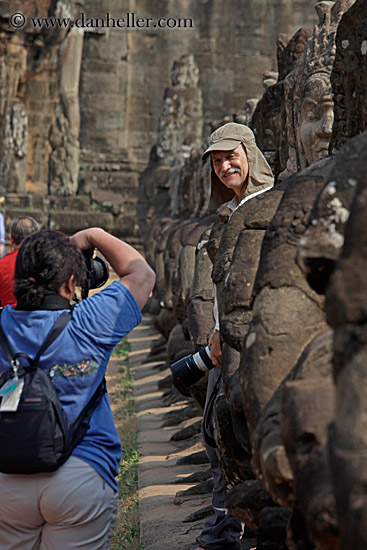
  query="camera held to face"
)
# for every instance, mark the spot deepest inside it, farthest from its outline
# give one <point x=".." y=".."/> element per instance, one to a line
<point x="97" y="272"/>
<point x="190" y="369"/>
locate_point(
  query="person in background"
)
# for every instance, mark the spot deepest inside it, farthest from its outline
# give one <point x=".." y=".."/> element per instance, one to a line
<point x="19" y="229"/>
<point x="2" y="229"/>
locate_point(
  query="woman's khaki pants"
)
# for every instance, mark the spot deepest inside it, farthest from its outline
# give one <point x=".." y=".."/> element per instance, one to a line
<point x="70" y="509"/>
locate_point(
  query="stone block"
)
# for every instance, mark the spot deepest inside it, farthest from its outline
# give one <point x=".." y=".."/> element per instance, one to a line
<point x="38" y="89"/>
<point x="80" y="202"/>
<point x="109" y="120"/>
<point x="18" y="200"/>
<point x="102" y="102"/>
<point x="74" y="221"/>
<point x="115" y="48"/>
<point x="102" y="138"/>
<point x="97" y="66"/>
<point x="100" y="83"/>
<point x="141" y="43"/>
<point x="125" y="226"/>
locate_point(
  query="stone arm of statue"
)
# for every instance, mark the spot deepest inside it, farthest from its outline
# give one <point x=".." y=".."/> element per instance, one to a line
<point x="128" y="263"/>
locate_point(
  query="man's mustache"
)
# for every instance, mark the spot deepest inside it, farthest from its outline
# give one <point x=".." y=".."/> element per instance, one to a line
<point x="229" y="172"/>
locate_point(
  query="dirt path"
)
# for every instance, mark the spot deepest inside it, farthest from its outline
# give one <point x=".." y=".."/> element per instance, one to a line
<point x="162" y="513"/>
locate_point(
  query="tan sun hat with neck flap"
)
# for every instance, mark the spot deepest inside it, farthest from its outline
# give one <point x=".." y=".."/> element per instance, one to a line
<point x="229" y="137"/>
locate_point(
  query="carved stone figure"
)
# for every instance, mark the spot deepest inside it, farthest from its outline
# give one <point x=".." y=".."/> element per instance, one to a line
<point x="13" y="118"/>
<point x="181" y="120"/>
<point x="348" y="75"/>
<point x="320" y="246"/>
<point x="346" y="307"/>
<point x="39" y="101"/>
<point x="179" y="131"/>
<point x="200" y="302"/>
<point x="286" y="315"/>
<point x="268" y="120"/>
<point x="13" y="162"/>
<point x="309" y="104"/>
<point x="64" y="133"/>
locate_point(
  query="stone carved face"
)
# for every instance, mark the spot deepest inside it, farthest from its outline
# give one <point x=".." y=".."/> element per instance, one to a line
<point x="231" y="167"/>
<point x="185" y="72"/>
<point x="309" y="128"/>
<point x="316" y="118"/>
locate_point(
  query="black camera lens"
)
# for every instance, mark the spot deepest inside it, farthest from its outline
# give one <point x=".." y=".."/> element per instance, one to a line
<point x="191" y="369"/>
<point x="97" y="272"/>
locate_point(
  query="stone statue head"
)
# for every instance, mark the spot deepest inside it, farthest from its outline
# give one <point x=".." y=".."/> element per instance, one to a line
<point x="315" y="118"/>
<point x="184" y="72"/>
<point x="308" y="93"/>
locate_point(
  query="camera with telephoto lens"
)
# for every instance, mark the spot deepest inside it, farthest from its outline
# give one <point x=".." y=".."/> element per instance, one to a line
<point x="97" y="272"/>
<point x="190" y="369"/>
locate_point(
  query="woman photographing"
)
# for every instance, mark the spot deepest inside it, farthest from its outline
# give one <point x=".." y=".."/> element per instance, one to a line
<point x="76" y="505"/>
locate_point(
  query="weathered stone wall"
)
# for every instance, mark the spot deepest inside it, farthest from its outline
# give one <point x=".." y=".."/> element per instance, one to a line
<point x="31" y="64"/>
<point x="232" y="43"/>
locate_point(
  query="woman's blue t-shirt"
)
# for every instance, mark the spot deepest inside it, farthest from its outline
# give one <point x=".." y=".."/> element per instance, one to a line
<point x="78" y="360"/>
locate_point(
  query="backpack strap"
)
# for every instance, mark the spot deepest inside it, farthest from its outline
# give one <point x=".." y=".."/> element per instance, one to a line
<point x="81" y="423"/>
<point x="57" y="328"/>
<point x="5" y="345"/>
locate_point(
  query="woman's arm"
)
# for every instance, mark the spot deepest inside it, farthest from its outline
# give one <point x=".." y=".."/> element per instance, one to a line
<point x="128" y="263"/>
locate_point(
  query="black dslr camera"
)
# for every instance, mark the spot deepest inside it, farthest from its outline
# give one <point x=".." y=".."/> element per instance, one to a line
<point x="190" y="369"/>
<point x="97" y="272"/>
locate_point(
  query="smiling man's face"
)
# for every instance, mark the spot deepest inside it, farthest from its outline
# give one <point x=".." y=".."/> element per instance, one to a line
<point x="231" y="167"/>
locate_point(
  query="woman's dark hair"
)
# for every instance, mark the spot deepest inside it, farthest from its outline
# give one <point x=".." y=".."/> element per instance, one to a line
<point x="45" y="261"/>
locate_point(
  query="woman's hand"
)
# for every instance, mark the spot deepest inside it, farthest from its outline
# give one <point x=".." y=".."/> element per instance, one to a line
<point x="215" y="351"/>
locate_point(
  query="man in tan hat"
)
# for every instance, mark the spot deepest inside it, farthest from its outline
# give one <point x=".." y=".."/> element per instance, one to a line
<point x="239" y="173"/>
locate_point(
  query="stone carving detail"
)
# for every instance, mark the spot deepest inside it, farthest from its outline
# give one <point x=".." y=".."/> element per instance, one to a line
<point x="347" y="313"/>
<point x="13" y="118"/>
<point x="180" y="129"/>
<point x="268" y="120"/>
<point x="181" y="118"/>
<point x="31" y="99"/>
<point x="64" y="133"/>
<point x="13" y="162"/>
<point x="347" y="77"/>
<point x="309" y="104"/>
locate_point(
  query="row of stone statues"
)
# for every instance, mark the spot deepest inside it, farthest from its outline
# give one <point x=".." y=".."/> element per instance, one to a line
<point x="289" y="271"/>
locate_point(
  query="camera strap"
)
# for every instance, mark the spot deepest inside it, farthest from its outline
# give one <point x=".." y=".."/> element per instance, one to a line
<point x="51" y="301"/>
<point x="208" y="414"/>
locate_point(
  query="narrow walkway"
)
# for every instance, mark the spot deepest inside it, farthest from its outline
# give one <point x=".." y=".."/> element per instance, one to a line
<point x="161" y="511"/>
